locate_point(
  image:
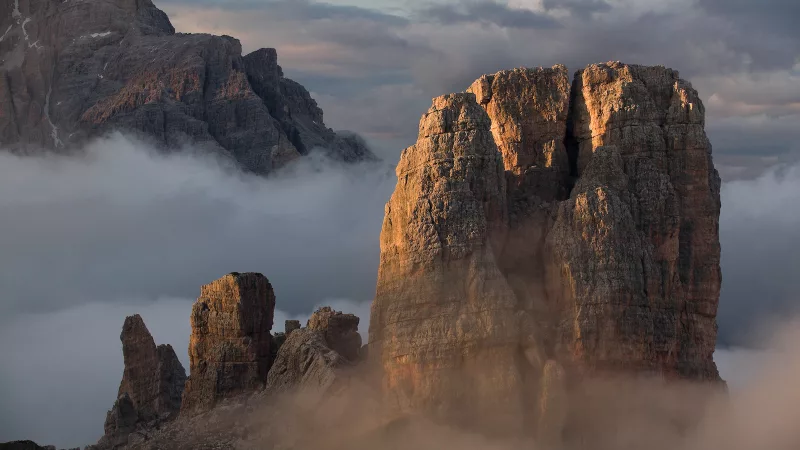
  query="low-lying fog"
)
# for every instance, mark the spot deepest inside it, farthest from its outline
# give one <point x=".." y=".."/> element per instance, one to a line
<point x="87" y="241"/>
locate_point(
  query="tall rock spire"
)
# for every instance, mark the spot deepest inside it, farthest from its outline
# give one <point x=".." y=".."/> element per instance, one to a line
<point x="559" y="234"/>
<point x="229" y="349"/>
<point x="444" y="327"/>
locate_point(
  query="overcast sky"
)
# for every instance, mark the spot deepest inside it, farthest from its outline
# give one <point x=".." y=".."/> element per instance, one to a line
<point x="85" y="243"/>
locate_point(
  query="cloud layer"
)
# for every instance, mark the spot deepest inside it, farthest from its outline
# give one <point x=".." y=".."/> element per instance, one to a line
<point x="86" y="242"/>
<point x="125" y="230"/>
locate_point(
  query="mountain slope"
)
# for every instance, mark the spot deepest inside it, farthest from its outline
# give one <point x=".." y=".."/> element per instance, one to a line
<point x="71" y="70"/>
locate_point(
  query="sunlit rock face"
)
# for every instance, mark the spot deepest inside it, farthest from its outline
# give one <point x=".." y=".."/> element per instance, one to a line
<point x="445" y="325"/>
<point x="540" y="233"/>
<point x="635" y="250"/>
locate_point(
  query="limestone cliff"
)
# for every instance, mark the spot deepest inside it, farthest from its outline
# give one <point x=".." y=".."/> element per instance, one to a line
<point x="230" y="345"/>
<point x="71" y="70"/>
<point x="596" y="251"/>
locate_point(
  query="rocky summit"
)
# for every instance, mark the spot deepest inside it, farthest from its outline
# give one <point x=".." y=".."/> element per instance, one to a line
<point x="542" y="232"/>
<point x="72" y="70"/>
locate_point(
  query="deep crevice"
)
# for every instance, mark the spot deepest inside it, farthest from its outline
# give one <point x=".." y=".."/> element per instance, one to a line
<point x="570" y="141"/>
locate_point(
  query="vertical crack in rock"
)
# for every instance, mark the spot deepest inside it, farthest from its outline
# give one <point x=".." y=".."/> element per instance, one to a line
<point x="637" y="244"/>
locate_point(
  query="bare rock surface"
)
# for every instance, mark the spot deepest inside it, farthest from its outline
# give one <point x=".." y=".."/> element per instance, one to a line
<point x="71" y="70"/>
<point x="444" y="327"/>
<point x="305" y="363"/>
<point x="230" y="345"/>
<point x="636" y="247"/>
<point x="528" y="108"/>
<point x="151" y="388"/>
<point x="596" y="252"/>
<point x="340" y="331"/>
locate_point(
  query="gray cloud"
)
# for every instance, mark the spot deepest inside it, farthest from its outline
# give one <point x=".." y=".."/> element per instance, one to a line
<point x="487" y="12"/>
<point x="759" y="232"/>
<point x="132" y="224"/>
<point x="581" y="8"/>
<point x="306" y="10"/>
<point x="775" y="16"/>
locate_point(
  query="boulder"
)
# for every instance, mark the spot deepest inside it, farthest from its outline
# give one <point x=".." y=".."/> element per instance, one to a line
<point x="340" y="331"/>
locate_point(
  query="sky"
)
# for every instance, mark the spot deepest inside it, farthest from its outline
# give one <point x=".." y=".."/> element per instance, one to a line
<point x="137" y="232"/>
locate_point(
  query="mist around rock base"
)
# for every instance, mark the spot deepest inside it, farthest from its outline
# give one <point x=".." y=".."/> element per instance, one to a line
<point x="123" y="230"/>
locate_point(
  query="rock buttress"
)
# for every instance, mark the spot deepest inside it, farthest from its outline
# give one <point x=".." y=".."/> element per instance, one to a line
<point x="528" y="109"/>
<point x="340" y="331"/>
<point x="444" y="327"/>
<point x="229" y="349"/>
<point x="635" y="249"/>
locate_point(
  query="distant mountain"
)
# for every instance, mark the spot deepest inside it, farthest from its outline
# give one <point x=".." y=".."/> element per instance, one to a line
<point x="75" y="69"/>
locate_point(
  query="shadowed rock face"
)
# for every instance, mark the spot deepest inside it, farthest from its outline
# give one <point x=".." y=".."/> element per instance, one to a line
<point x="72" y="70"/>
<point x="230" y="345"/>
<point x="597" y="250"/>
<point x="151" y="388"/>
<point x="153" y="376"/>
<point x="340" y="331"/>
<point x="528" y="109"/>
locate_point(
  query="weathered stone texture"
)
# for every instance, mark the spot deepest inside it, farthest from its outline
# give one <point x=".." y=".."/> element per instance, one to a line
<point x="153" y="376"/>
<point x="230" y="345"/>
<point x="528" y="109"/>
<point x="151" y="388"/>
<point x="291" y="325"/>
<point x="598" y="252"/>
<point x="444" y="327"/>
<point x="340" y="331"/>
<point x="305" y="363"/>
<point x="636" y="247"/>
<point x="78" y="69"/>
